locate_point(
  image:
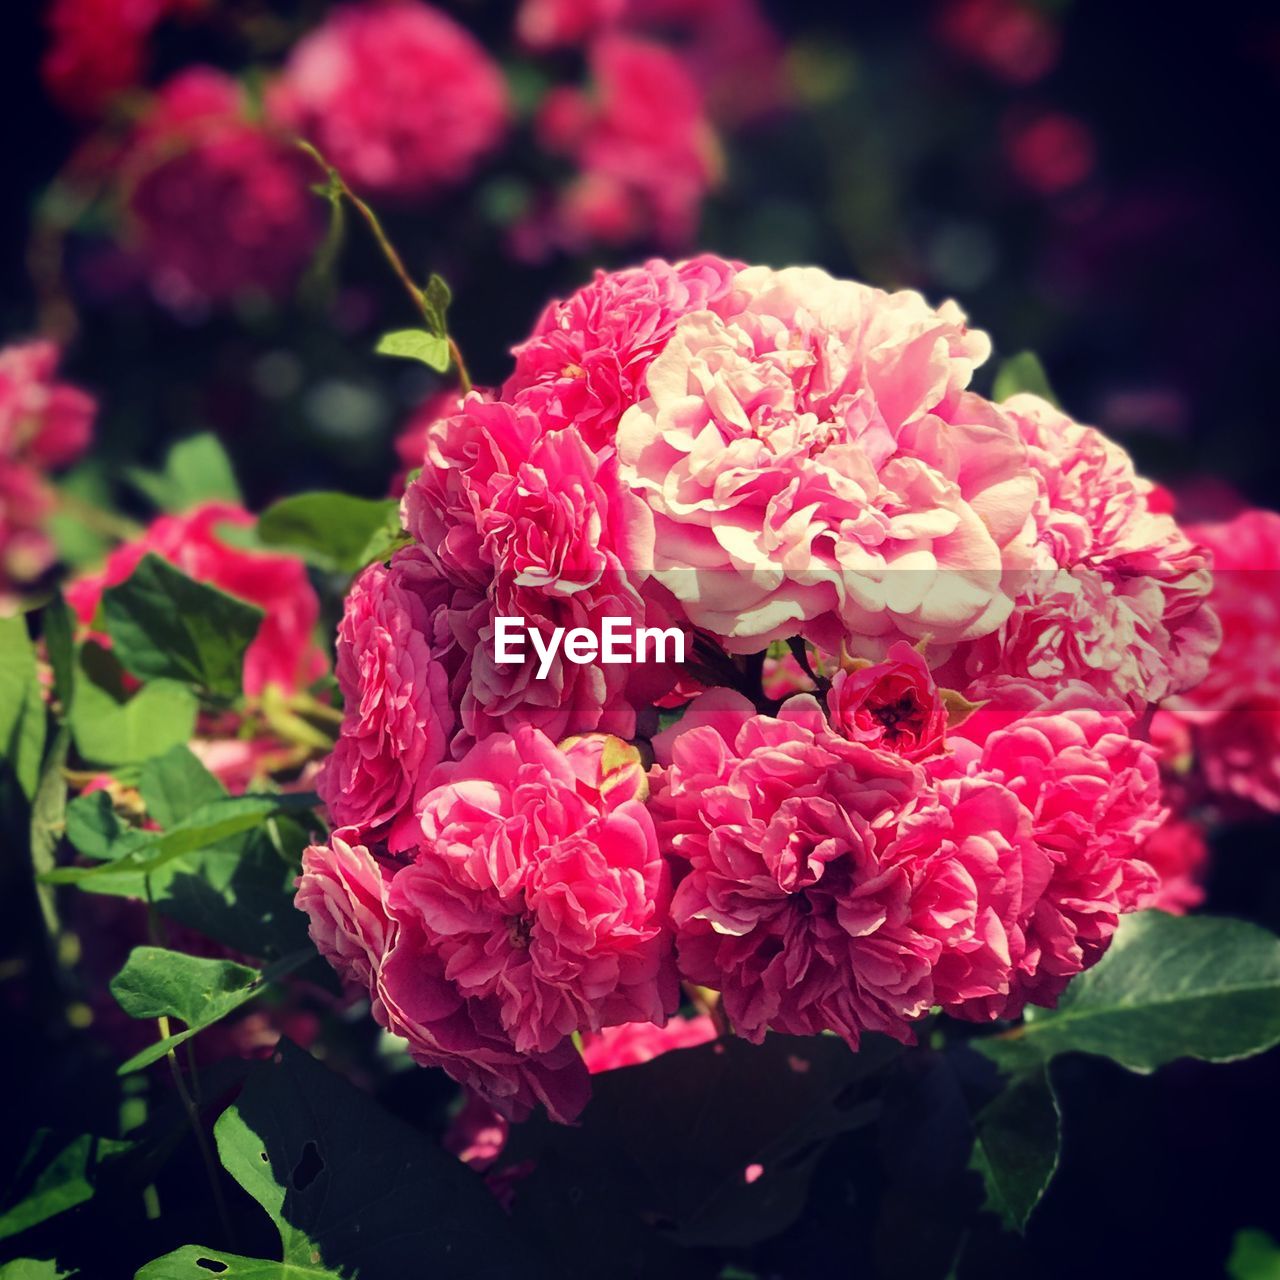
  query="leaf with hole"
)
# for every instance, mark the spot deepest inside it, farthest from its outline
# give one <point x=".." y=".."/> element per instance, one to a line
<point x="351" y="1190"/>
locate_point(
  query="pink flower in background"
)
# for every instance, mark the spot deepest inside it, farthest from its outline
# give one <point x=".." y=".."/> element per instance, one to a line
<point x="1179" y="855"/>
<point x="44" y="424"/>
<point x="98" y="49"/>
<point x="1116" y="596"/>
<point x="1093" y="793"/>
<point x="632" y="1043"/>
<point x="610" y="771"/>
<point x="1013" y="39"/>
<point x="815" y="466"/>
<point x="220" y="205"/>
<point x="399" y="97"/>
<point x="411" y="442"/>
<point x="284" y="652"/>
<point x="554" y="24"/>
<point x="396" y="657"/>
<point x="893" y="705"/>
<point x="1051" y="152"/>
<point x="586" y="360"/>
<point x="641" y="141"/>
<point x="537" y="898"/>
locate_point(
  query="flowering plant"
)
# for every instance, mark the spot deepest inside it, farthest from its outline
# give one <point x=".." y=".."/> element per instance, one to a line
<point x="746" y="749"/>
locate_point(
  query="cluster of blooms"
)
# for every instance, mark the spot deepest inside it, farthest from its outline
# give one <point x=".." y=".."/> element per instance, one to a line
<point x="43" y="424"/>
<point x="751" y="456"/>
<point x="407" y="105"/>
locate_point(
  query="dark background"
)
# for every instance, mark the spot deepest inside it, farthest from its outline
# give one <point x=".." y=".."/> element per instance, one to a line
<point x="1149" y="290"/>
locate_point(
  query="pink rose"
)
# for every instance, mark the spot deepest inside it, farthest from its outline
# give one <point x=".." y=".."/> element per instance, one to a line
<point x="344" y="890"/>
<point x="893" y="705"/>
<point x="1093" y="793"/>
<point x="284" y="652"/>
<point x="399" y="97"/>
<point x="785" y="905"/>
<point x="609" y="770"/>
<point x="814" y="466"/>
<point x="396" y="658"/>
<point x="536" y="897"/>
<point x="220" y="206"/>
<point x="586" y="361"/>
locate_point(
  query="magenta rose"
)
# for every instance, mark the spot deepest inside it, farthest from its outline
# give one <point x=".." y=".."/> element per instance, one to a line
<point x="894" y="705"/>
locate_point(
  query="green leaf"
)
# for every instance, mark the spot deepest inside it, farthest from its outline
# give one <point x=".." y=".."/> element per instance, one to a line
<point x="194" y="1263"/>
<point x="196" y="470"/>
<point x="59" y="640"/>
<point x="1019" y="373"/>
<point x="112" y="728"/>
<point x="81" y="544"/>
<point x="22" y="711"/>
<point x="56" y="1175"/>
<point x="332" y="531"/>
<point x="1254" y="1256"/>
<point x="1015" y="1147"/>
<point x="351" y="1190"/>
<point x="210" y="825"/>
<point x="1169" y="987"/>
<point x="37" y="1269"/>
<point x="176" y="785"/>
<point x="48" y="817"/>
<point x="239" y="893"/>
<point x="93" y="826"/>
<point x="155" y="982"/>
<point x="165" y="625"/>
<point x="416" y="344"/>
<point x="436" y="298"/>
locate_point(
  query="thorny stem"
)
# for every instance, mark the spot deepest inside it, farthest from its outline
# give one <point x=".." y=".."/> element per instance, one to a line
<point x="339" y="187"/>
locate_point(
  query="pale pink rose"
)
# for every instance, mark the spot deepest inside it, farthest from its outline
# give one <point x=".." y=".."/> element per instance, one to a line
<point x="346" y="892"/>
<point x="642" y="142"/>
<point x="400" y="99"/>
<point x="893" y="705"/>
<point x="396" y="657"/>
<point x="537" y="898"/>
<point x="782" y="676"/>
<point x="1117" y="593"/>
<point x="1093" y="792"/>
<point x="44" y="424"/>
<point x="218" y="204"/>
<point x="284" y="652"/>
<point x="586" y="359"/>
<point x="785" y="905"/>
<point x="814" y="466"/>
<point x="632" y="1043"/>
<point x="1179" y="855"/>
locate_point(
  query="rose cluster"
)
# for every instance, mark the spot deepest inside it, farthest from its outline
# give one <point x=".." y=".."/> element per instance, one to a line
<point x="903" y="767"/>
